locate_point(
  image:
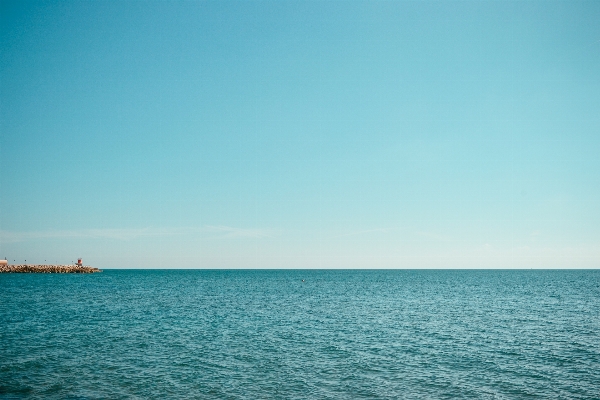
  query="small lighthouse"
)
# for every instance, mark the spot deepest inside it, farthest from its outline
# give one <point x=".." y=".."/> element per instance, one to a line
<point x="79" y="263"/>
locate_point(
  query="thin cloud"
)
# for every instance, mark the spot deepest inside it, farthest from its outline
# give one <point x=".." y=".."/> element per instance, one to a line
<point x="361" y="232"/>
<point x="434" y="236"/>
<point x="220" y="231"/>
<point x="228" y="231"/>
<point x="117" y="234"/>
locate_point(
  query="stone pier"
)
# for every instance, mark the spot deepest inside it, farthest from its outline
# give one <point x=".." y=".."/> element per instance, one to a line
<point x="47" y="269"/>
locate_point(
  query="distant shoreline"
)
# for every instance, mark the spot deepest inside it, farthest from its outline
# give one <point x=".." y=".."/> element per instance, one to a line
<point x="47" y="269"/>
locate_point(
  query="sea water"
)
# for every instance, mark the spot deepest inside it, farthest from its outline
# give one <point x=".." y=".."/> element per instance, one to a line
<point x="330" y="334"/>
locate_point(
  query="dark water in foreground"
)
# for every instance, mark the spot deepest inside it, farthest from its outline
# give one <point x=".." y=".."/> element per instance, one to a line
<point x="267" y="334"/>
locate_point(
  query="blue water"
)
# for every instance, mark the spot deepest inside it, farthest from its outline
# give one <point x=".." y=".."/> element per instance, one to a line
<point x="268" y="334"/>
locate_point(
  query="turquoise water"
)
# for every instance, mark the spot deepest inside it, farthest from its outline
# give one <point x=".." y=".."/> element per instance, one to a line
<point x="268" y="334"/>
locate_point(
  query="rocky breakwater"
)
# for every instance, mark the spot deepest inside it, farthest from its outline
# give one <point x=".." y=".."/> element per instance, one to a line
<point x="48" y="269"/>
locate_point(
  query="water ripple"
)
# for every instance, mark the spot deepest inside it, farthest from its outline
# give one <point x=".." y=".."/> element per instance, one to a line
<point x="268" y="334"/>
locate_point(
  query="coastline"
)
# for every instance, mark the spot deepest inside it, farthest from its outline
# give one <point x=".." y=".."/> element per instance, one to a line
<point x="47" y="269"/>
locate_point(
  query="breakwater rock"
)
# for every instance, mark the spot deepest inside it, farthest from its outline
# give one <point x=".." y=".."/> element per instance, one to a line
<point x="48" y="269"/>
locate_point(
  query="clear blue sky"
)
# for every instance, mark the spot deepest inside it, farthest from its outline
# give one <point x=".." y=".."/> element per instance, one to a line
<point x="301" y="134"/>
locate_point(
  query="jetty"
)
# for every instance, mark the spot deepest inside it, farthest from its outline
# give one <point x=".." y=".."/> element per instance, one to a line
<point x="47" y="269"/>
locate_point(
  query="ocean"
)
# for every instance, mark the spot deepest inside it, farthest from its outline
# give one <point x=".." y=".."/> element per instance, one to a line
<point x="301" y="334"/>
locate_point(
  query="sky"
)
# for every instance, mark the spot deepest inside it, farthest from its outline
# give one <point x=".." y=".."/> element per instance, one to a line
<point x="300" y="134"/>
